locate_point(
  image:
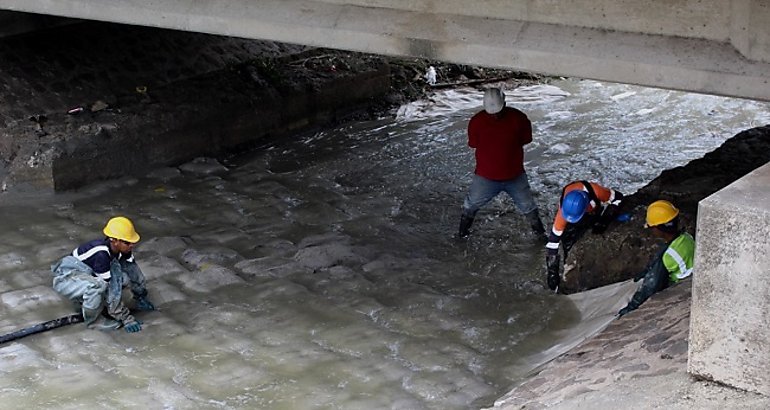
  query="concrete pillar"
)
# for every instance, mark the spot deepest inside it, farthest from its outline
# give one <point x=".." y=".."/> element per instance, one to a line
<point x="749" y="31"/>
<point x="729" y="332"/>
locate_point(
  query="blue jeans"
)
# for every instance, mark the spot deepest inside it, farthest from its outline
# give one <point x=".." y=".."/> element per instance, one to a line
<point x="483" y="190"/>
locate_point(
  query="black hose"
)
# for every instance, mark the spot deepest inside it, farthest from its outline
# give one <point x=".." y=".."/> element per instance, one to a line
<point x="42" y="327"/>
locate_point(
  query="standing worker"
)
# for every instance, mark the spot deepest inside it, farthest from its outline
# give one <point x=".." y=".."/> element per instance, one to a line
<point x="675" y="260"/>
<point x="582" y="204"/>
<point x="93" y="276"/>
<point x="498" y="134"/>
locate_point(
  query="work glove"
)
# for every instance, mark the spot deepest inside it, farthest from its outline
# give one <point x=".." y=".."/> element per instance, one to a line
<point x="625" y="311"/>
<point x="144" y="304"/>
<point x="552" y="266"/>
<point x="624" y="217"/>
<point x="604" y="219"/>
<point x="133" y="327"/>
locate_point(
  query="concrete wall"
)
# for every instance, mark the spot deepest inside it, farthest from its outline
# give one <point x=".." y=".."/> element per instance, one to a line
<point x="708" y="46"/>
<point x="729" y="332"/>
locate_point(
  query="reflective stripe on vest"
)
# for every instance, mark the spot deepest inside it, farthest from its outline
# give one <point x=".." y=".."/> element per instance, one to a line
<point x="683" y="271"/>
<point x="104" y="275"/>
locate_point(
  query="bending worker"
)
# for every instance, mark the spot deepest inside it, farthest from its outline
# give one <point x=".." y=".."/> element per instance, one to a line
<point x="673" y="263"/>
<point x="498" y="135"/>
<point x="582" y="204"/>
<point x="93" y="276"/>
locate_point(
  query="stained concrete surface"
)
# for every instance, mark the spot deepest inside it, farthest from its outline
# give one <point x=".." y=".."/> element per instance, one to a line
<point x="638" y="362"/>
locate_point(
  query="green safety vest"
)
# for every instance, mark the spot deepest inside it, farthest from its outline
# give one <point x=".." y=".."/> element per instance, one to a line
<point x="679" y="257"/>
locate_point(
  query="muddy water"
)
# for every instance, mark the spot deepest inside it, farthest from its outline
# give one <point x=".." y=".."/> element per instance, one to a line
<point x="320" y="272"/>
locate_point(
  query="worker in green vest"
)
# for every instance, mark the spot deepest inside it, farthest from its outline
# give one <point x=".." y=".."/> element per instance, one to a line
<point x="673" y="263"/>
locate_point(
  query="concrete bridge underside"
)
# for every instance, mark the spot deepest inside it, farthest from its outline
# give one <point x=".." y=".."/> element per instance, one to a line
<point x="709" y="46"/>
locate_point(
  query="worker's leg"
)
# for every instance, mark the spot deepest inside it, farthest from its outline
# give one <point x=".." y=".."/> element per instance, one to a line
<point x="521" y="194"/>
<point x="481" y="191"/>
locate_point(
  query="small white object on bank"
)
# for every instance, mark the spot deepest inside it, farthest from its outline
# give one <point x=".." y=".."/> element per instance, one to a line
<point x="430" y="75"/>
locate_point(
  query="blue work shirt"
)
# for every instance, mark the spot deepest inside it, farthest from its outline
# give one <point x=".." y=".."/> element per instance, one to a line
<point x="98" y="256"/>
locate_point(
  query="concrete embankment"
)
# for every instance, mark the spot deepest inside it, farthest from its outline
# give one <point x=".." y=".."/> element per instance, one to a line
<point x="637" y="362"/>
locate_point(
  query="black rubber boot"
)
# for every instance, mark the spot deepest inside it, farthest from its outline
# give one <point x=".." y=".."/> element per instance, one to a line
<point x="465" y="226"/>
<point x="553" y="280"/>
<point x="90" y="315"/>
<point x="535" y="222"/>
<point x="99" y="319"/>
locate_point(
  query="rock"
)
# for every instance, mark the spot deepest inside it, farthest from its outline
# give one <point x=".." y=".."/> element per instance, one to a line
<point x="98" y="106"/>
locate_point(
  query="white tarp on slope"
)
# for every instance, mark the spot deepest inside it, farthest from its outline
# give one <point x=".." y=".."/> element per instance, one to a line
<point x="597" y="308"/>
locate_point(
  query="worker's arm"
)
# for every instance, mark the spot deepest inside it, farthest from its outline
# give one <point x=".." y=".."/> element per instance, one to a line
<point x="610" y="204"/>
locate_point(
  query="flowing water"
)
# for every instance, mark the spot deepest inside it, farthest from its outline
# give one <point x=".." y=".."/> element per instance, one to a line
<point x="321" y="272"/>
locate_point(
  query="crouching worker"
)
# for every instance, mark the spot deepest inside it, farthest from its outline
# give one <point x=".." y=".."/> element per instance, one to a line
<point x="672" y="263"/>
<point x="582" y="205"/>
<point x="93" y="277"/>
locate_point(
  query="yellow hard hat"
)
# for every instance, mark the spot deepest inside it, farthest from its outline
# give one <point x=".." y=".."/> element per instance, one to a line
<point x="660" y="212"/>
<point x="121" y="228"/>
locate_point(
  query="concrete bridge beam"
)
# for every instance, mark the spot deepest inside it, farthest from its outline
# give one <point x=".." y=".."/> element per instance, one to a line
<point x="707" y="46"/>
<point x="742" y="23"/>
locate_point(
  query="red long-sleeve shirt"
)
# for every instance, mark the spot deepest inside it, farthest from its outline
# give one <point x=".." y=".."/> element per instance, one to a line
<point x="499" y="142"/>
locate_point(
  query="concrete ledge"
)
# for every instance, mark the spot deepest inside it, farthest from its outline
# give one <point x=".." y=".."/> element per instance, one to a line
<point x="729" y="338"/>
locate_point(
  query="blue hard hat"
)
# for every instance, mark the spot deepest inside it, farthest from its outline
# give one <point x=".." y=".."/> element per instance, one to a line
<point x="573" y="207"/>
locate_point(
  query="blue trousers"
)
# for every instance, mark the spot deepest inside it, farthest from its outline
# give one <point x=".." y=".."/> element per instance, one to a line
<point x="74" y="280"/>
<point x="483" y="190"/>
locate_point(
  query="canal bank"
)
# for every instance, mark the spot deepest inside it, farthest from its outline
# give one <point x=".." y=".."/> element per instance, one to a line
<point x="77" y="109"/>
<point x="94" y="101"/>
